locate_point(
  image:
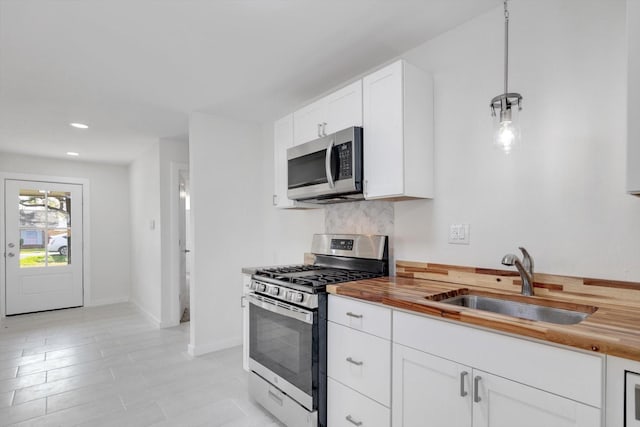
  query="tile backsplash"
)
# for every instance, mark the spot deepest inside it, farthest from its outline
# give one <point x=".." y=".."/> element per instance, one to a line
<point x="365" y="217"/>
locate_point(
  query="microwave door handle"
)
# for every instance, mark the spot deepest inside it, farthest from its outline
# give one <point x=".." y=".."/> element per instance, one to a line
<point x="327" y="164"/>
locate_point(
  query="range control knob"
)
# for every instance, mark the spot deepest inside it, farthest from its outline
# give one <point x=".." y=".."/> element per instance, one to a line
<point x="295" y="297"/>
<point x="261" y="287"/>
<point x="274" y="291"/>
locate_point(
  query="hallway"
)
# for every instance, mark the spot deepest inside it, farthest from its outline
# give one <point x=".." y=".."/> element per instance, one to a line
<point x="108" y="365"/>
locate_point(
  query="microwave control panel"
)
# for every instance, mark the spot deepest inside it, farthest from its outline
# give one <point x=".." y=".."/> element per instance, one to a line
<point x="345" y="162"/>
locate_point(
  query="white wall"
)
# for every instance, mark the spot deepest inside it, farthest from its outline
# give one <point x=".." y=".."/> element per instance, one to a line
<point x="109" y="223"/>
<point x="234" y="224"/>
<point x="146" y="271"/>
<point x="562" y="193"/>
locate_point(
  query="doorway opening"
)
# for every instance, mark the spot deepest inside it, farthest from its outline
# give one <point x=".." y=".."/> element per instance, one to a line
<point x="184" y="210"/>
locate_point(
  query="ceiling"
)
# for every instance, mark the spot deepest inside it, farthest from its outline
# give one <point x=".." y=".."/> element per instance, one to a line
<point x="133" y="70"/>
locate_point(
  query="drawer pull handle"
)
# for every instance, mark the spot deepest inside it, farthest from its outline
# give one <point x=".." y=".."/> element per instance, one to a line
<point x="352" y="421"/>
<point x="476" y="387"/>
<point x="355" y="362"/>
<point x="357" y="316"/>
<point x="463" y="392"/>
<point x="275" y="397"/>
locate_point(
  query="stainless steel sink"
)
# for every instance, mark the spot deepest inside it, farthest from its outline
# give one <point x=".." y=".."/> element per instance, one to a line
<point x="520" y="309"/>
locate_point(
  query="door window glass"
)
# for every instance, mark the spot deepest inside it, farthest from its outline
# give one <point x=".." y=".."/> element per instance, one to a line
<point x="45" y="228"/>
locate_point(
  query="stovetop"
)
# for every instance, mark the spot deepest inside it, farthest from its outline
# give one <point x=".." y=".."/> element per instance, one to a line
<point x="314" y="277"/>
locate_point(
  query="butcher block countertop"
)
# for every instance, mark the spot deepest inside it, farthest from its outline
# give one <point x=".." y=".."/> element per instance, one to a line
<point x="613" y="328"/>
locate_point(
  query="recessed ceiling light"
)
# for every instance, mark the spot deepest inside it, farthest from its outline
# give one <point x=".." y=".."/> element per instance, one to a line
<point x="79" y="125"/>
<point x="72" y="153"/>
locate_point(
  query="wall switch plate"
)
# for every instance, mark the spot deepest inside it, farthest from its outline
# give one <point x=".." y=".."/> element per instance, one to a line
<point x="459" y="234"/>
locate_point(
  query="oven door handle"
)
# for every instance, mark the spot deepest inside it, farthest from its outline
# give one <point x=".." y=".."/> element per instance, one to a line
<point x="280" y="308"/>
<point x="327" y="163"/>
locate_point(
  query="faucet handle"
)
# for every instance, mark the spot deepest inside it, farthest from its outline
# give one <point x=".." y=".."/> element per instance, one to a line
<point x="527" y="260"/>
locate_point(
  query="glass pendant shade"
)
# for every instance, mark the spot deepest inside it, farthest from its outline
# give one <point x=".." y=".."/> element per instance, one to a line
<point x="506" y="126"/>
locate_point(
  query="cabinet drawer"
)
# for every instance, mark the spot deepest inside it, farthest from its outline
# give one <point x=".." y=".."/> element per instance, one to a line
<point x="362" y="316"/>
<point x="360" y="361"/>
<point x="348" y="408"/>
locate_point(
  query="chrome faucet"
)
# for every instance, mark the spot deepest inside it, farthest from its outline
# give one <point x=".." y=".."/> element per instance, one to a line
<point x="525" y="268"/>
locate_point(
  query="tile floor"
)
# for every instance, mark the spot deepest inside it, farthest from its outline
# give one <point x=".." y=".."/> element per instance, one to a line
<point x="110" y="366"/>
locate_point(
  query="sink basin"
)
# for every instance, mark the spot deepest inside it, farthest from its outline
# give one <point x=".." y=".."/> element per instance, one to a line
<point x="520" y="309"/>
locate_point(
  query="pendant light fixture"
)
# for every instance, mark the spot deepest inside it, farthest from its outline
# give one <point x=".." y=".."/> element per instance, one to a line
<point x="505" y="108"/>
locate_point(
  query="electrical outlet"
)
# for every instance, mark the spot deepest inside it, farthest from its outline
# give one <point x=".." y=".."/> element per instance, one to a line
<point x="459" y="234"/>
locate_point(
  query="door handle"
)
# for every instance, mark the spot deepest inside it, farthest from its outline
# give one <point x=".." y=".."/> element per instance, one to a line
<point x="476" y="391"/>
<point x="319" y="130"/>
<point x="11" y="254"/>
<point x="186" y="251"/>
<point x="324" y="128"/>
<point x="463" y="392"/>
<point x="11" y="245"/>
<point x="357" y="316"/>
<point x="327" y="164"/>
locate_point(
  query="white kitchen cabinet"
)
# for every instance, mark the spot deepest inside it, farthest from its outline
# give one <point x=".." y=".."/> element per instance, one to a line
<point x="505" y="403"/>
<point x="336" y="111"/>
<point x="429" y="391"/>
<point x="358" y="363"/>
<point x="349" y="409"/>
<point x="283" y="139"/>
<point x="510" y="381"/>
<point x="633" y="97"/>
<point x="246" y="281"/>
<point x="398" y="133"/>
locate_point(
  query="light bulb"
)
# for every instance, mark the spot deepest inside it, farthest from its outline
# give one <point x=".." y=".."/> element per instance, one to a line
<point x="507" y="131"/>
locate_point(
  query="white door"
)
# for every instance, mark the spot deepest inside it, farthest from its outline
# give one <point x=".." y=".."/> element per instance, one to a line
<point x="344" y="108"/>
<point x="183" y="242"/>
<point x="429" y="391"/>
<point x="43" y="246"/>
<point x="308" y="122"/>
<point x="504" y="403"/>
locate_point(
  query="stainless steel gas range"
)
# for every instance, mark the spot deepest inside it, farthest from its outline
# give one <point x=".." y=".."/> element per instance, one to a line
<point x="288" y="324"/>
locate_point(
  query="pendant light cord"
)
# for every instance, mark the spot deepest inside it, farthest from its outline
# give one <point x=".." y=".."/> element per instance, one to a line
<point x="506" y="47"/>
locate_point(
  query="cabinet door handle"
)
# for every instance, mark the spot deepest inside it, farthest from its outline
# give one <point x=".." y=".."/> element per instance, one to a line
<point x="275" y="397"/>
<point x="364" y="190"/>
<point x="275" y="200"/>
<point x="352" y="421"/>
<point x="476" y="387"/>
<point x="324" y="128"/>
<point x="357" y="316"/>
<point x="355" y="362"/>
<point x="242" y="298"/>
<point x="319" y="130"/>
<point x="463" y="392"/>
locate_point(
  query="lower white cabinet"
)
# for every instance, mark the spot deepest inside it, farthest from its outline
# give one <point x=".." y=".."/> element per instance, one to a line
<point x="432" y="391"/>
<point x="348" y="408"/>
<point x="429" y="391"/>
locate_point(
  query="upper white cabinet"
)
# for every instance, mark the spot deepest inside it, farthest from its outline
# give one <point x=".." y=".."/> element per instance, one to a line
<point x="398" y="133"/>
<point x="339" y="110"/>
<point x="282" y="139"/>
<point x="633" y="99"/>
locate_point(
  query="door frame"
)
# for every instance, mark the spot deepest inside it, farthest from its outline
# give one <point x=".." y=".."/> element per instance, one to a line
<point x="86" y="256"/>
<point x="170" y="311"/>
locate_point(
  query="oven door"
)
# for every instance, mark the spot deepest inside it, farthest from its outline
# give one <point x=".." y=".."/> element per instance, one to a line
<point x="283" y="347"/>
<point x="326" y="167"/>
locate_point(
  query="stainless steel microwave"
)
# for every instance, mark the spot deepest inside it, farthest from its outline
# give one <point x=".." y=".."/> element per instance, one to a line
<point x="328" y="169"/>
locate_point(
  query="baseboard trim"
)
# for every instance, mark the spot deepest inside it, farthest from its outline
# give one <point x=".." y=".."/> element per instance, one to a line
<point x="199" y="350"/>
<point x="107" y="301"/>
<point x="148" y="315"/>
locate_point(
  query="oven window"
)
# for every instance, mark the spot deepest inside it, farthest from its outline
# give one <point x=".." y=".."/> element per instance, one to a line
<point x="283" y="345"/>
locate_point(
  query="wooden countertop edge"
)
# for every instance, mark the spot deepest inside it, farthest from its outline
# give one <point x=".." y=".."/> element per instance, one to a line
<point x="590" y="335"/>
